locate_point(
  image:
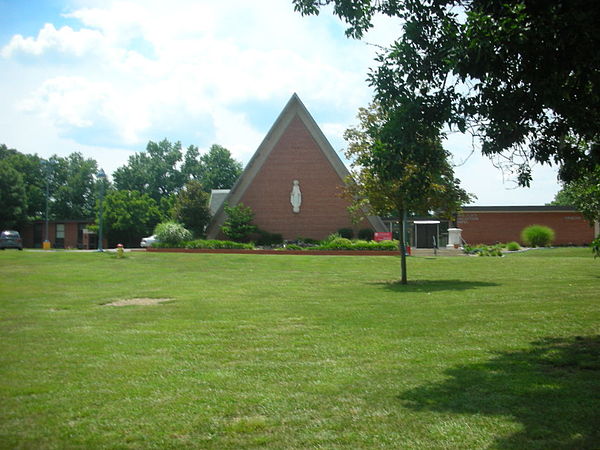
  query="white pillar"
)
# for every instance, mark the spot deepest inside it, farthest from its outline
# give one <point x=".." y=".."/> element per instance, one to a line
<point x="454" y="237"/>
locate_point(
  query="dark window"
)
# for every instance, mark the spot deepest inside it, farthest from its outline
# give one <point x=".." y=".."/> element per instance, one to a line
<point x="59" y="241"/>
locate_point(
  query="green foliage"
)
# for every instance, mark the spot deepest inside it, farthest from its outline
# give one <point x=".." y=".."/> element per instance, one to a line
<point x="341" y="243"/>
<point x="172" y="233"/>
<point x="483" y="250"/>
<point x="583" y="194"/>
<point x="400" y="166"/>
<point x="211" y="244"/>
<point x="153" y="172"/>
<point x="129" y="216"/>
<point x="215" y="169"/>
<point x="513" y="246"/>
<point x="347" y="233"/>
<point x="293" y="247"/>
<point x="366" y="234"/>
<point x="307" y="241"/>
<point x="13" y="197"/>
<point x="73" y="186"/>
<point x="238" y="225"/>
<point x="191" y="208"/>
<point x="491" y="68"/>
<point x="537" y="236"/>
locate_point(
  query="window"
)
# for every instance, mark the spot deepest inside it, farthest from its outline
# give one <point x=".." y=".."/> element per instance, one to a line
<point x="59" y="241"/>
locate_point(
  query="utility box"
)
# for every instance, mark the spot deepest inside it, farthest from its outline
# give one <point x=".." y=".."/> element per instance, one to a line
<point x="46" y="245"/>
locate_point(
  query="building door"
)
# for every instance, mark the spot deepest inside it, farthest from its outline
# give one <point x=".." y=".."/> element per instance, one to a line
<point x="59" y="239"/>
<point x="426" y="235"/>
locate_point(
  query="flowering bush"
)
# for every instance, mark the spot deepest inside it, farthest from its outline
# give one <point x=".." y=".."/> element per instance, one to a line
<point x="172" y="233"/>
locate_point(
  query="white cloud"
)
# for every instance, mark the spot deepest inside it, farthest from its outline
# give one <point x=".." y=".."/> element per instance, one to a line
<point x="125" y="72"/>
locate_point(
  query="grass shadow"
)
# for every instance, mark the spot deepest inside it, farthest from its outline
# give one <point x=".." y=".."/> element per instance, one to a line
<point x="432" y="285"/>
<point x="552" y="389"/>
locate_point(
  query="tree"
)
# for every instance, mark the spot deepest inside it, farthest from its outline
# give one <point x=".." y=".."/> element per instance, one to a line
<point x="238" y="225"/>
<point x="583" y="194"/>
<point x="191" y="208"/>
<point x="31" y="168"/>
<point x="522" y="75"/>
<point x="153" y="172"/>
<point x="129" y="216"/>
<point x="13" y="197"/>
<point x="215" y="169"/>
<point x="399" y="166"/>
<point x="72" y="186"/>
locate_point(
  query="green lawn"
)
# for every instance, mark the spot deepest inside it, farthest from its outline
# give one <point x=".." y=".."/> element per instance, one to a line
<point x="299" y="351"/>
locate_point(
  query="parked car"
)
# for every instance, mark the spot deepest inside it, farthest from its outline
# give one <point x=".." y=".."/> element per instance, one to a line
<point x="10" y="239"/>
<point x="148" y="241"/>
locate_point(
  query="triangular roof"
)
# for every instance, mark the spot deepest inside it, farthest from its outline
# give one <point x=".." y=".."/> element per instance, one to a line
<point x="294" y="108"/>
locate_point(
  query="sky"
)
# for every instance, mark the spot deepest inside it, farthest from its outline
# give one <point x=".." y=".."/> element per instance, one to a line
<point x="103" y="77"/>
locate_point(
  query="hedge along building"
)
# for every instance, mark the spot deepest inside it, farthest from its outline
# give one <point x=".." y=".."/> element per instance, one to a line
<point x="293" y="183"/>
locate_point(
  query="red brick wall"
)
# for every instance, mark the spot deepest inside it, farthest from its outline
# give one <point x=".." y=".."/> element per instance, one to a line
<point x="297" y="157"/>
<point x="491" y="227"/>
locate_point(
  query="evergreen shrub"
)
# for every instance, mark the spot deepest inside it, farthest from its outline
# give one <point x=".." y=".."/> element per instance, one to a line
<point x="347" y="233"/>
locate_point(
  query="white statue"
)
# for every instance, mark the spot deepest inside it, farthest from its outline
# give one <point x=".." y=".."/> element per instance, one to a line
<point x="296" y="197"/>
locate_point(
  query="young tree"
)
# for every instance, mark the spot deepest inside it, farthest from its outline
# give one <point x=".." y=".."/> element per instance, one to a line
<point x="191" y="208"/>
<point x="400" y="166"/>
<point x="129" y="216"/>
<point x="523" y="75"/>
<point x="238" y="225"/>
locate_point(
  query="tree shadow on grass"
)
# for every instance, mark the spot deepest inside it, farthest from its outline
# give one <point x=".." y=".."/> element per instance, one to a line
<point x="552" y="389"/>
<point x="433" y="285"/>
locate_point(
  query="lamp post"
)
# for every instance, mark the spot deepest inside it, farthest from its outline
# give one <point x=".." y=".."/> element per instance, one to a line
<point x="46" y="165"/>
<point x="101" y="176"/>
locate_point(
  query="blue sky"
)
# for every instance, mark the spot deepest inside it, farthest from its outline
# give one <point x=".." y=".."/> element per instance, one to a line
<point x="104" y="77"/>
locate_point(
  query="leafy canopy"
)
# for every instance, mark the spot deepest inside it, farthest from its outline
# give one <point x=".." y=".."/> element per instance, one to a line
<point x="191" y="208"/>
<point x="238" y="225"/>
<point x="522" y="75"/>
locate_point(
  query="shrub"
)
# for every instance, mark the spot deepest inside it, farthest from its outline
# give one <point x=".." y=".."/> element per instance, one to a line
<point x="513" y="246"/>
<point x="293" y="247"/>
<point x="347" y="233"/>
<point x="346" y="244"/>
<point x="266" y="238"/>
<point x="216" y="244"/>
<point x="172" y="233"/>
<point x="308" y="241"/>
<point x="238" y="225"/>
<point x="366" y="234"/>
<point x="537" y="236"/>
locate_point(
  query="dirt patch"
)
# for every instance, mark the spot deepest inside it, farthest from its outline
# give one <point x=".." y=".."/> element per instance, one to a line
<point x="138" y="301"/>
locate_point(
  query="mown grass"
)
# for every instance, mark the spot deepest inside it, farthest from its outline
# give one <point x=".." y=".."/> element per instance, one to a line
<point x="299" y="351"/>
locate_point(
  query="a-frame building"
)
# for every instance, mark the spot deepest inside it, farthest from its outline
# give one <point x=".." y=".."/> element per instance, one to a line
<point x="293" y="182"/>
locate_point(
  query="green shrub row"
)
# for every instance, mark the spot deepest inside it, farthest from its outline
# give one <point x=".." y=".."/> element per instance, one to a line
<point x="341" y="243"/>
<point x="211" y="244"/>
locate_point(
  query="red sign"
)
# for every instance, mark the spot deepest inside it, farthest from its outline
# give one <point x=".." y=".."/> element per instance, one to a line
<point x="379" y="236"/>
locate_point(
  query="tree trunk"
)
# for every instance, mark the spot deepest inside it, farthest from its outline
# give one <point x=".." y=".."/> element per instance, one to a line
<point x="402" y="246"/>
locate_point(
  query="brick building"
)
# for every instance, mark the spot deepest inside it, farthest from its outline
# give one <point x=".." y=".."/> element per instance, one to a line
<point x="61" y="234"/>
<point x="491" y="224"/>
<point x="293" y="182"/>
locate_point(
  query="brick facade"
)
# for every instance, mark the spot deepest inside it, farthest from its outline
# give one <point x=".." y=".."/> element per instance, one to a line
<point x="294" y="149"/>
<point x="481" y="226"/>
<point x="297" y="156"/>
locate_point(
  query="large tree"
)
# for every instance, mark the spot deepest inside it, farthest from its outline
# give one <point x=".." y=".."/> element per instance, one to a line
<point x="72" y="186"/>
<point x="399" y="167"/>
<point x="13" y="197"/>
<point x="128" y="216"/>
<point x="522" y="75"/>
<point x="154" y="172"/>
<point x="191" y="208"/>
<point x="215" y="170"/>
<point x="31" y="168"/>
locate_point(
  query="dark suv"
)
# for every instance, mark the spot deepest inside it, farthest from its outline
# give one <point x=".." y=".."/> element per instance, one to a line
<point x="10" y="239"/>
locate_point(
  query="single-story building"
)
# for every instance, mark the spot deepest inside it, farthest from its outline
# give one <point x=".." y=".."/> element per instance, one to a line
<point x="61" y="234"/>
